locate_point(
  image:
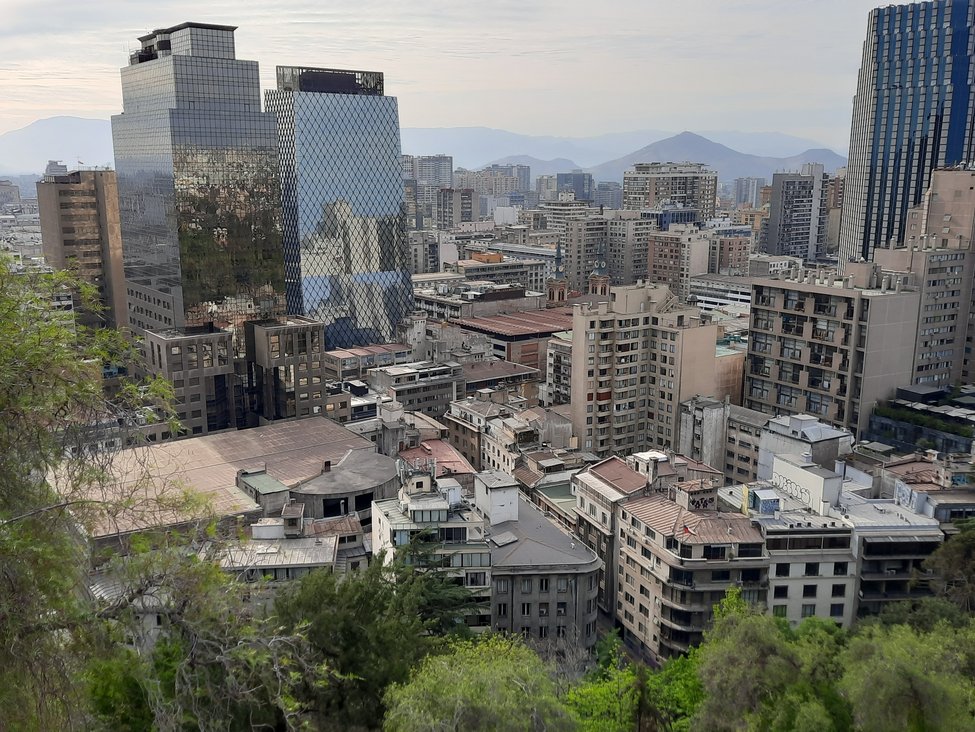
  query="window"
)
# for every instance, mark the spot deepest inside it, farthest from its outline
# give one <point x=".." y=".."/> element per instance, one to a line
<point x="836" y="610"/>
<point x="778" y="611"/>
<point x="543" y="585"/>
<point x="808" y="610"/>
<point x="714" y="552"/>
<point x="781" y="592"/>
<point x="543" y="632"/>
<point x="560" y="608"/>
<point x="526" y="609"/>
<point x="543" y="609"/>
<point x="560" y="631"/>
<point x="782" y="570"/>
<point x="501" y="585"/>
<point x="563" y="584"/>
<point x="839" y="590"/>
<point x="809" y="590"/>
<point x="812" y="569"/>
<point x="502" y="609"/>
<point x="526" y="586"/>
<point x="720" y="575"/>
<point x="839" y="569"/>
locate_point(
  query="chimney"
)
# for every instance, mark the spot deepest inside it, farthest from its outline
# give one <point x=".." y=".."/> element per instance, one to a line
<point x="327" y="466"/>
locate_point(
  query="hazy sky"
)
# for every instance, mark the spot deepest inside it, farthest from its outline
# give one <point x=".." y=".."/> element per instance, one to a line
<point x="560" y="67"/>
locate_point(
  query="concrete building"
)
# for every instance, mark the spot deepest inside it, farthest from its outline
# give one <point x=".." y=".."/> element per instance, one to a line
<point x="496" y="267"/>
<point x="634" y="360"/>
<point x="514" y="380"/>
<point x="466" y="423"/>
<point x="748" y="191"/>
<point x="801" y="434"/>
<point x="354" y="363"/>
<point x="599" y="489"/>
<point x="729" y="252"/>
<point x="678" y="556"/>
<point x="545" y="582"/>
<point x="827" y="346"/>
<point x="649" y="185"/>
<point x="609" y="195"/>
<point x="798" y="214"/>
<point x="769" y="265"/>
<point x="557" y="388"/>
<point x="676" y="255"/>
<point x="722" y="435"/>
<point x="520" y="337"/>
<point x="937" y="255"/>
<point x="456" y="206"/>
<point x="421" y="386"/>
<point x="712" y="291"/>
<point x="81" y="232"/>
<point x="475" y="299"/>
<point x="577" y="183"/>
<point x="285" y="374"/>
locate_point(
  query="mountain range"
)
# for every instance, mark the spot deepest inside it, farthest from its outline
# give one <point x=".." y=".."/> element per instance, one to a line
<point x="75" y="141"/>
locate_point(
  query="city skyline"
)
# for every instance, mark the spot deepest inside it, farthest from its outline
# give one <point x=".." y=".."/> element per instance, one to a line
<point x="513" y="66"/>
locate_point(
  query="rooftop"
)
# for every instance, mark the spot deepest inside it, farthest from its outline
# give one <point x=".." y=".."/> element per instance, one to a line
<point x="693" y="527"/>
<point x="358" y="470"/>
<point x="537" y="322"/>
<point x="615" y="472"/>
<point x="449" y="460"/>
<point x="208" y="465"/>
<point x="374" y="350"/>
<point x="538" y="542"/>
<point x="269" y="553"/>
<point x="490" y="369"/>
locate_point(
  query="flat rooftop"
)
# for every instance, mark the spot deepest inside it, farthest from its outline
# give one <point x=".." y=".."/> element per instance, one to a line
<point x="490" y="369"/>
<point x="526" y="323"/>
<point x="537" y="542"/>
<point x="207" y="466"/>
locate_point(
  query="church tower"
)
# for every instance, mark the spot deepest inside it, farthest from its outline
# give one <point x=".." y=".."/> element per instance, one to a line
<point x="558" y="286"/>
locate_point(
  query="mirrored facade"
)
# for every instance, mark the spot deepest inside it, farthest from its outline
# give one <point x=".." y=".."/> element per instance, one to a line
<point x="914" y="112"/>
<point x="346" y="251"/>
<point x="199" y="187"/>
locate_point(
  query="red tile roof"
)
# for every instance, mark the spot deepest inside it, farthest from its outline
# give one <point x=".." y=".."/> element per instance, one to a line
<point x="618" y="474"/>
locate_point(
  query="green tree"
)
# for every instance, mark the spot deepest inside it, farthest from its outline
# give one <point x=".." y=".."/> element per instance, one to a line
<point x="370" y="628"/>
<point x="677" y="691"/>
<point x="953" y="568"/>
<point x="924" y="614"/>
<point x="52" y="407"/>
<point x="495" y="683"/>
<point x="898" y="679"/>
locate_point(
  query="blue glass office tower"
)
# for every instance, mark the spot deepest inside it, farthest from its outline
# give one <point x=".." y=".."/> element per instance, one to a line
<point x="346" y="251"/>
<point x="912" y="113"/>
<point x="198" y="182"/>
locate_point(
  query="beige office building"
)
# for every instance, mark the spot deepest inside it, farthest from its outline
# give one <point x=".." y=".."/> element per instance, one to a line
<point x="80" y="231"/>
<point x="828" y="346"/>
<point x="635" y="358"/>
<point x="651" y="185"/>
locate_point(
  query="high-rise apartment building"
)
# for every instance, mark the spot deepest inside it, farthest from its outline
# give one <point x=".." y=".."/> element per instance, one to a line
<point x="80" y="231"/>
<point x="432" y="170"/>
<point x="523" y="174"/>
<point x="651" y="185"/>
<point x="635" y="358"/>
<point x="609" y="195"/>
<point x="577" y="183"/>
<point x="346" y="250"/>
<point x="798" y="214"/>
<point x="748" y="191"/>
<point x="198" y="183"/>
<point x="676" y="255"/>
<point x="457" y="206"/>
<point x="828" y="346"/>
<point x="938" y="258"/>
<point x="912" y="113"/>
<point x="547" y="188"/>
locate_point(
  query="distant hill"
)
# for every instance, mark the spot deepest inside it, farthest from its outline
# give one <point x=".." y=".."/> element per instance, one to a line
<point x="538" y="167"/>
<point x="728" y="163"/>
<point x="69" y="139"/>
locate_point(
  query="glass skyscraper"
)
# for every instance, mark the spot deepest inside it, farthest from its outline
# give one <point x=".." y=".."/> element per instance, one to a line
<point x="199" y="187"/>
<point x="346" y="250"/>
<point x="912" y="113"/>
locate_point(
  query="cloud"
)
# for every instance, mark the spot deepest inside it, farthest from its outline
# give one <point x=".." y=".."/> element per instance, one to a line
<point x="561" y="67"/>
